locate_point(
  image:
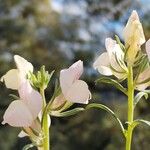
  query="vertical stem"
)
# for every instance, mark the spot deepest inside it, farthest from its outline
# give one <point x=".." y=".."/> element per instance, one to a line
<point x="130" y="107"/>
<point x="45" y="124"/>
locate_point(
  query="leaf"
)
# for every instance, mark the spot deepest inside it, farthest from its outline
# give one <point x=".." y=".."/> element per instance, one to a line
<point x="28" y="146"/>
<point x="101" y="106"/>
<point x="139" y="96"/>
<point x="139" y="121"/>
<point x="67" y="113"/>
<point x="112" y="82"/>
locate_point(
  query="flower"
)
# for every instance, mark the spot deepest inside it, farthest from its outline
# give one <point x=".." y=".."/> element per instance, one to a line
<point x="143" y="80"/>
<point x="111" y="62"/>
<point x="73" y="89"/>
<point x="23" y="112"/>
<point x="134" y="36"/>
<point x="15" y="77"/>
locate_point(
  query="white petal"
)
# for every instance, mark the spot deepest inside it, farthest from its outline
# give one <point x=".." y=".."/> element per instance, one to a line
<point x="31" y="97"/>
<point x="18" y="115"/>
<point x="11" y="79"/>
<point x="110" y="44"/>
<point x="68" y="76"/>
<point x="22" y="134"/>
<point x="78" y="92"/>
<point x="148" y="48"/>
<point x="102" y="63"/>
<point x="23" y="65"/>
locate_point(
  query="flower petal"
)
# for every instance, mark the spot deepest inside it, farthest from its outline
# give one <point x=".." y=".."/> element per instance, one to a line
<point x="102" y="63"/>
<point x="31" y="98"/>
<point x="142" y="77"/>
<point x="11" y="79"/>
<point x="68" y="76"/>
<point x="22" y="134"/>
<point x="23" y="65"/>
<point x="148" y="48"/>
<point x="18" y="115"/>
<point x="78" y="92"/>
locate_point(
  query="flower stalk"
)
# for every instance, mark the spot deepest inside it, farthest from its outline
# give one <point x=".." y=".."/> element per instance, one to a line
<point x="130" y="107"/>
<point x="45" y="123"/>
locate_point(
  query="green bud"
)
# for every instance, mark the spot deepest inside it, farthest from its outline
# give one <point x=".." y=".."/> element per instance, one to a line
<point x="41" y="79"/>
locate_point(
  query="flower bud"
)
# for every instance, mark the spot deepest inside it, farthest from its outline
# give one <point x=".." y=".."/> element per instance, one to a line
<point x="134" y="36"/>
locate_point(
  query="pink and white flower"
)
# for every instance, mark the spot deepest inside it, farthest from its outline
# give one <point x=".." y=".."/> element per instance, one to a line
<point x="24" y="111"/>
<point x="73" y="89"/>
<point x="111" y="62"/>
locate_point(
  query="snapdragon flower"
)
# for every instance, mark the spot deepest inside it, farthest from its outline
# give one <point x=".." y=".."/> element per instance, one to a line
<point x="24" y="111"/>
<point x="73" y="89"/>
<point x="111" y="62"/>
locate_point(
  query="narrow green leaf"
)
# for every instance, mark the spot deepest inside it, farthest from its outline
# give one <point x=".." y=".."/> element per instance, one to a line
<point x="112" y="82"/>
<point x="139" y="121"/>
<point x="67" y="113"/>
<point x="139" y="96"/>
<point x="101" y="106"/>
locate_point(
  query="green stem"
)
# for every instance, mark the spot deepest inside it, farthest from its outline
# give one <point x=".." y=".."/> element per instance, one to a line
<point x="130" y="108"/>
<point x="45" y="123"/>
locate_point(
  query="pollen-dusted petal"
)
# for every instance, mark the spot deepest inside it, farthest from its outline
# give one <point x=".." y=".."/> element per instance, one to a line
<point x="102" y="63"/>
<point x="11" y="79"/>
<point x="23" y="65"/>
<point x="78" y="92"/>
<point x="148" y="48"/>
<point x="31" y="98"/>
<point x="18" y="114"/>
<point x="68" y="76"/>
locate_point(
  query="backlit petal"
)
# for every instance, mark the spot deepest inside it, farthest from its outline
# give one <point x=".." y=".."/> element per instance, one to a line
<point x="11" y="79"/>
<point x="102" y="63"/>
<point x="68" y="76"/>
<point x="18" y="115"/>
<point x="78" y="92"/>
<point x="23" y="65"/>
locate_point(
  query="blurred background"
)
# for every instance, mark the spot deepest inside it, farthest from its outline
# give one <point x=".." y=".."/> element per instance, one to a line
<point x="57" y="33"/>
